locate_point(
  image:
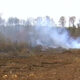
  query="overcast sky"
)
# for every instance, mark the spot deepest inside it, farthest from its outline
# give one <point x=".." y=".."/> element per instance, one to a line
<point x="33" y="8"/>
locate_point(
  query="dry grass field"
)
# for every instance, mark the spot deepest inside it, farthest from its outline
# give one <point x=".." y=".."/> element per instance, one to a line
<point x="36" y="64"/>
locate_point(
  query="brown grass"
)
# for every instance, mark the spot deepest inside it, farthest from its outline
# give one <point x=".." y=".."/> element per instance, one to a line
<point x="18" y="61"/>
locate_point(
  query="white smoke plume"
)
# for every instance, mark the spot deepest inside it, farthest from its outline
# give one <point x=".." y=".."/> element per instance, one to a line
<point x="41" y="32"/>
<point x="45" y="33"/>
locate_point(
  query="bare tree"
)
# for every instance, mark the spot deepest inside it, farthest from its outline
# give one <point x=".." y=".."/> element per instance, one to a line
<point x="62" y="21"/>
<point x="13" y="21"/>
<point x="72" y="21"/>
<point x="78" y="24"/>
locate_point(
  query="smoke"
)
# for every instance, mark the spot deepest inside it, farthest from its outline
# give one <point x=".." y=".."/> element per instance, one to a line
<point x="41" y="32"/>
<point x="46" y="34"/>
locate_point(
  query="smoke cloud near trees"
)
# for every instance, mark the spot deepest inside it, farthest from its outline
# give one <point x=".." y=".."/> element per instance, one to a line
<point x="38" y="32"/>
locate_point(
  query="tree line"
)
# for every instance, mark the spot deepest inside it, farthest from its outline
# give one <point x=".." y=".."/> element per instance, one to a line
<point x="72" y="20"/>
<point x="18" y="30"/>
<point x="12" y="21"/>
